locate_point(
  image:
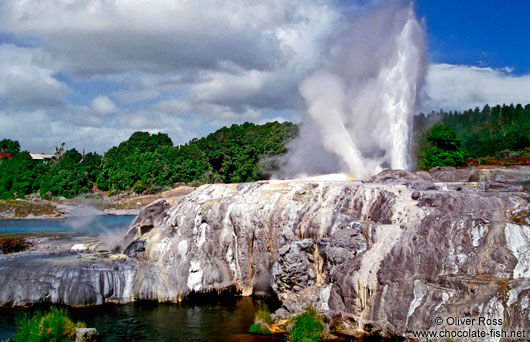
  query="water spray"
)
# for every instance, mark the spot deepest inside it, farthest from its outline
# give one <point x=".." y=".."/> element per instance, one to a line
<point x="361" y="102"/>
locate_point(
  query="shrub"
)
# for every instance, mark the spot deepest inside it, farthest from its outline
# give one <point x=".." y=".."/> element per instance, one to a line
<point x="257" y="329"/>
<point x="13" y="245"/>
<point x="307" y="327"/>
<point x="53" y="326"/>
<point x="139" y="187"/>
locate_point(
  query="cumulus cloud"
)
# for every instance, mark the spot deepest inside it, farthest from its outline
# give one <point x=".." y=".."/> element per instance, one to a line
<point x="460" y="87"/>
<point x="26" y="80"/>
<point x="103" y="105"/>
<point x="98" y="36"/>
<point x="181" y="67"/>
<point x="227" y="52"/>
<point x="40" y="131"/>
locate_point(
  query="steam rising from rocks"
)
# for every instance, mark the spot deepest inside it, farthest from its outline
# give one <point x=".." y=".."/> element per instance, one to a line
<point x="361" y="101"/>
<point x="83" y="219"/>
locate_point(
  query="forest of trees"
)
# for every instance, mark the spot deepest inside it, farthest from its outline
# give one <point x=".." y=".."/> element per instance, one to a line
<point x="490" y="132"/>
<point x="148" y="162"/>
<point x="248" y="152"/>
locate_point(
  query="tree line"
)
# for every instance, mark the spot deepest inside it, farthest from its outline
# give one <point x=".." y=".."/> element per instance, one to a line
<point x="451" y="138"/>
<point x="148" y="162"/>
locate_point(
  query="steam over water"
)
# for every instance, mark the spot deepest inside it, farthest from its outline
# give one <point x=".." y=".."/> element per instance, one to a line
<point x="360" y="103"/>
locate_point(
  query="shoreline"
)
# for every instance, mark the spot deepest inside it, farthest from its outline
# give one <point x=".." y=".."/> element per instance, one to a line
<point x="35" y="208"/>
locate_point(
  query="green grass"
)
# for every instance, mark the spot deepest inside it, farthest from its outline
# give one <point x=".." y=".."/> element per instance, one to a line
<point x="256" y="329"/>
<point x="262" y="320"/>
<point x="307" y="327"/>
<point x="53" y="326"/>
<point x="263" y="313"/>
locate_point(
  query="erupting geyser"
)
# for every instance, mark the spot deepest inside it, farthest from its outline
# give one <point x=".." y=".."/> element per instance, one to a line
<point x="361" y="101"/>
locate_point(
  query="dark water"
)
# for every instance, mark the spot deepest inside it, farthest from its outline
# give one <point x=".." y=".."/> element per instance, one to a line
<point x="223" y="319"/>
<point x="79" y="224"/>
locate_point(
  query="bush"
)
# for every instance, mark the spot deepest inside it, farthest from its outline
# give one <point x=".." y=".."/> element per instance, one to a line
<point x="139" y="187"/>
<point x="54" y="326"/>
<point x="256" y="329"/>
<point x="14" y="245"/>
<point x="307" y="327"/>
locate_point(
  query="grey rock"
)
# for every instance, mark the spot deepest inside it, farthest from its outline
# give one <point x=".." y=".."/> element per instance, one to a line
<point x="135" y="248"/>
<point x="64" y="277"/>
<point x="86" y="335"/>
<point x="293" y="271"/>
<point x="506" y="174"/>
<point x="149" y="217"/>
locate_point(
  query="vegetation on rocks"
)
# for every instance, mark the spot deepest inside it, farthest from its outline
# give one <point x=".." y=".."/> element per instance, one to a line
<point x="19" y="208"/>
<point x="262" y="320"/>
<point x="53" y="326"/>
<point x="13" y="245"/>
<point x="307" y="326"/>
<point x="256" y="328"/>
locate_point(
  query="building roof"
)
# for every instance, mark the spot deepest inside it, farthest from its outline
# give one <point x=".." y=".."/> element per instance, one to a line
<point x="41" y="156"/>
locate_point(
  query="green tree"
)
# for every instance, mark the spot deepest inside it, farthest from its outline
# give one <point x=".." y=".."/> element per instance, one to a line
<point x="443" y="148"/>
<point x="66" y="177"/>
<point x="9" y="146"/>
<point x="91" y="166"/>
<point x="497" y="131"/>
<point x="150" y="162"/>
<point x="444" y="137"/>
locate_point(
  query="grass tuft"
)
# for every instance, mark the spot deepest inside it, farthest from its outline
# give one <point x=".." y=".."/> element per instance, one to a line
<point x="257" y="329"/>
<point x="307" y="326"/>
<point x="263" y="313"/>
<point x="53" y="326"/>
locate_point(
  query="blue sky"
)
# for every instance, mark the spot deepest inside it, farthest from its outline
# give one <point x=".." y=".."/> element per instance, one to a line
<point x="482" y="33"/>
<point x="91" y="72"/>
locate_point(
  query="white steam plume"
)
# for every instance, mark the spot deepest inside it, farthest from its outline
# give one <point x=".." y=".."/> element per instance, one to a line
<point x="360" y="103"/>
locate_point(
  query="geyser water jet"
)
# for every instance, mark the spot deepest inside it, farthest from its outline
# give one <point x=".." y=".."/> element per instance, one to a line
<point x="360" y="103"/>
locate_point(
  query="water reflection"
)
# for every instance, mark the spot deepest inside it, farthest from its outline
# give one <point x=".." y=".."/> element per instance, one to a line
<point x="228" y="319"/>
<point x="222" y="319"/>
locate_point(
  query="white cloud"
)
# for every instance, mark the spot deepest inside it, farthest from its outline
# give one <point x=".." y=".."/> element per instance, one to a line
<point x="103" y="105"/>
<point x="185" y="67"/>
<point x="98" y="36"/>
<point x="172" y="107"/>
<point x="230" y="53"/>
<point x="81" y="127"/>
<point x="26" y="80"/>
<point x="460" y="87"/>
